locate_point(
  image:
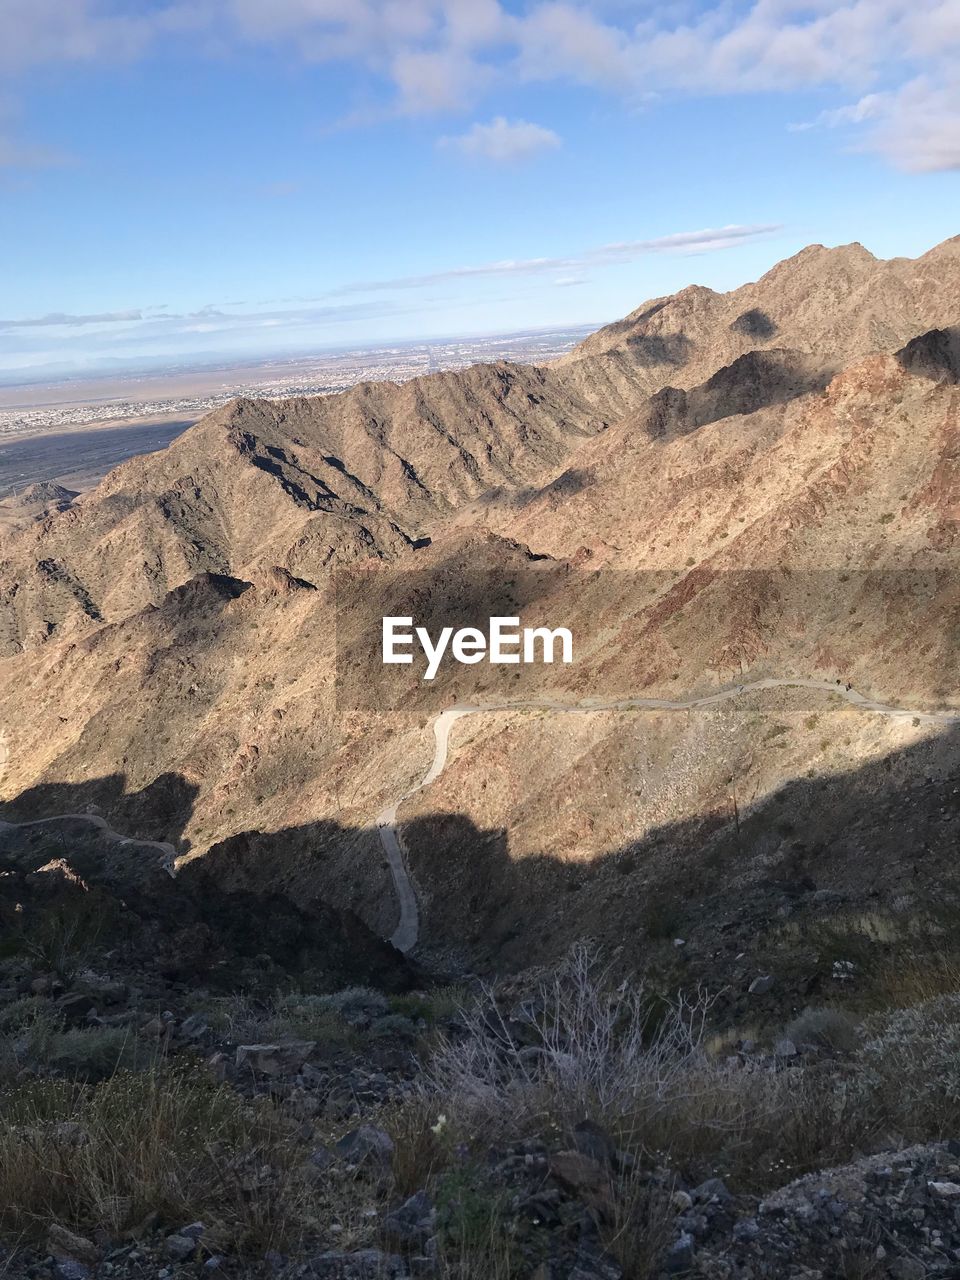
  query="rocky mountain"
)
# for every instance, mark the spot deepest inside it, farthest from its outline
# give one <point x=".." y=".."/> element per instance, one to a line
<point x="833" y="304"/>
<point x="302" y="484"/>
<point x="718" y="490"/>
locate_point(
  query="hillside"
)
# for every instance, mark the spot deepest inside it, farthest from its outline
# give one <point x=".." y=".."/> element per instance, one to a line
<point x="303" y="484"/>
<point x="756" y="501"/>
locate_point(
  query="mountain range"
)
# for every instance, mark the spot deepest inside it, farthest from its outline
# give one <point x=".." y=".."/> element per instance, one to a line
<point x="719" y="489"/>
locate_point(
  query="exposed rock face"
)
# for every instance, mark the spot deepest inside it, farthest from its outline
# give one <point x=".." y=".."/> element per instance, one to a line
<point x="43" y="494"/>
<point x="309" y="482"/>
<point x="835" y="304"/>
<point x="169" y="641"/>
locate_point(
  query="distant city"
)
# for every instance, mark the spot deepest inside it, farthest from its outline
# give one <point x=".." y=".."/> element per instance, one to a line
<point x="187" y="394"/>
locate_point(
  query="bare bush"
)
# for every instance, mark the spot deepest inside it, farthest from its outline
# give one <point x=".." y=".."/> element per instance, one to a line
<point x="584" y="1047"/>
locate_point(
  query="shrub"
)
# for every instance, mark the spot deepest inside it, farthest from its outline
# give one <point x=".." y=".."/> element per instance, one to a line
<point x="420" y="1146"/>
<point x="642" y="1068"/>
<point x="825" y="1028"/>
<point x="473" y="1231"/>
<point x="64" y="936"/>
<point x="93" y="1053"/>
<point x="430" y="1006"/>
<point x="308" y="1017"/>
<point x="911" y="1068"/>
<point x="22" y="1014"/>
<point x="581" y="1047"/>
<point x="29" y="1028"/>
<point x="294" y="1016"/>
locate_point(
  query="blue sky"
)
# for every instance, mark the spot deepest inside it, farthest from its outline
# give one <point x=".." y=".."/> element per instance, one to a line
<point x="190" y="178"/>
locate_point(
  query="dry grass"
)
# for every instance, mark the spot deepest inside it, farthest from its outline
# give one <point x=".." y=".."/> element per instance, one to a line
<point x="898" y="962"/>
<point x="294" y="1016"/>
<point x="918" y="974"/>
<point x="32" y="1035"/>
<point x="420" y="1148"/>
<point x="491" y="1258"/>
<point x="474" y="1230"/>
<point x="642" y="1225"/>
<point x="826" y="1028"/>
<point x="161" y="1141"/>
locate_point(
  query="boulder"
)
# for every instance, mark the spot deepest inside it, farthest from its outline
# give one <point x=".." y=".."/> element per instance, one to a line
<point x="366" y="1145"/>
<point x="761" y="985"/>
<point x="63" y="1243"/>
<point x="593" y="1141"/>
<point x="364" y="1264"/>
<point x="585" y="1177"/>
<point x="679" y="1256"/>
<point x="412" y="1222"/>
<point x="275" y="1059"/>
<point x="180" y="1248"/>
<point x="75" y="1007"/>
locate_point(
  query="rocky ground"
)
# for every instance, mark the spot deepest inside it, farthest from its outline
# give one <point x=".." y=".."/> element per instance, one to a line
<point x="155" y="1128"/>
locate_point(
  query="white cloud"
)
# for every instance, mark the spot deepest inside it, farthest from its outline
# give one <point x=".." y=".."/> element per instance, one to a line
<point x="433" y="80"/>
<point x="38" y="32"/>
<point x="58" y="319"/>
<point x="152" y="320"/>
<point x="920" y="129"/>
<point x="684" y="242"/>
<point x="504" y="141"/>
<point x="438" y="56"/>
<point x="870" y="107"/>
<point x="916" y="128"/>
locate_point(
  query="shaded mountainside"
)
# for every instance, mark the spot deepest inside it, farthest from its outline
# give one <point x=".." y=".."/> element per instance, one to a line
<point x="757" y="468"/>
<point x="179" y="621"/>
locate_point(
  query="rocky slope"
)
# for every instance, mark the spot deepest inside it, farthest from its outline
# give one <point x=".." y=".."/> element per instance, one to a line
<point x="833" y="304"/>
<point x="298" y="484"/>
<point x="720" y="487"/>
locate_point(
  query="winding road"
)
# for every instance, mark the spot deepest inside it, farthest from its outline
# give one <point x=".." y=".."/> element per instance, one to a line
<point x="407" y="932"/>
<point x="166" y="851"/>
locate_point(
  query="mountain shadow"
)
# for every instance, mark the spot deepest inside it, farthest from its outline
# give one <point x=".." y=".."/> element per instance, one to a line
<point x="736" y="881"/>
<point x="197" y="928"/>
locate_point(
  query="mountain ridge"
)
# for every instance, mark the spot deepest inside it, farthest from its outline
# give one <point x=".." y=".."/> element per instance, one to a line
<point x="180" y="620"/>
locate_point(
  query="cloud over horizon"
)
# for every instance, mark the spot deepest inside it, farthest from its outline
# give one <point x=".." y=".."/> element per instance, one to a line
<point x="217" y="315"/>
<point x="685" y="242"/>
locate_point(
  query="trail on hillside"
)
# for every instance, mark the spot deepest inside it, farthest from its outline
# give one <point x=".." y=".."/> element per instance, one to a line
<point x="166" y="851"/>
<point x="406" y="934"/>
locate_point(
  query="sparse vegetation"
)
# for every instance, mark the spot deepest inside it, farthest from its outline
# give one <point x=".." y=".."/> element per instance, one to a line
<point x="165" y="1141"/>
<point x="640" y="1226"/>
<point x="826" y="1029"/>
<point x="639" y="1065"/>
<point x="292" y="1016"/>
<point x="62" y="937"/>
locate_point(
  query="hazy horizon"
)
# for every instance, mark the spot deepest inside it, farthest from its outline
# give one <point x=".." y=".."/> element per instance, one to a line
<point x="156" y="366"/>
